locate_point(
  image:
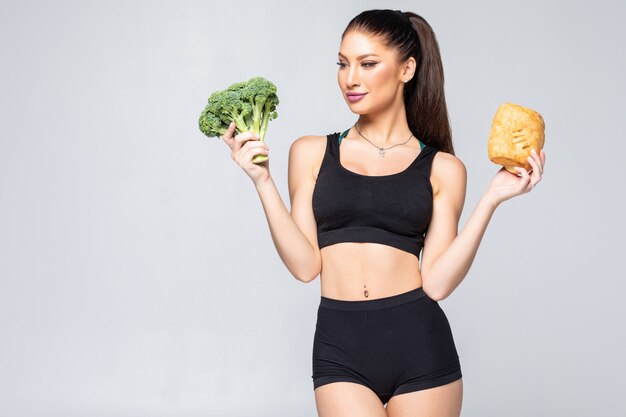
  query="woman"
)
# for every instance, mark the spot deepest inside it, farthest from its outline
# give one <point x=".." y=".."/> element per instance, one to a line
<point x="364" y="204"/>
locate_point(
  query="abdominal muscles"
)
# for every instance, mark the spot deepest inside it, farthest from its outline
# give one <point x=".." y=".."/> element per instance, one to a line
<point x="366" y="271"/>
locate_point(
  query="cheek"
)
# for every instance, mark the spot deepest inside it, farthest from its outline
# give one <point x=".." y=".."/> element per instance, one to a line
<point x="380" y="77"/>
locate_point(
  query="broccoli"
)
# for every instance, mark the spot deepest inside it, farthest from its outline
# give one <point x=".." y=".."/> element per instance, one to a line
<point x="250" y="104"/>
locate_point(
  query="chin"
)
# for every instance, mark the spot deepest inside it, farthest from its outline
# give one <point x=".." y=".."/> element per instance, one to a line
<point x="359" y="108"/>
<point x="355" y="109"/>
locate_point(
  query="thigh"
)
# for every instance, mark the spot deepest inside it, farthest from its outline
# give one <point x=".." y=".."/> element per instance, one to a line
<point x="441" y="401"/>
<point x="347" y="399"/>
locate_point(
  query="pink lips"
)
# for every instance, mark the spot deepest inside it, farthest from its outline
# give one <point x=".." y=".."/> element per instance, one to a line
<point x="355" y="96"/>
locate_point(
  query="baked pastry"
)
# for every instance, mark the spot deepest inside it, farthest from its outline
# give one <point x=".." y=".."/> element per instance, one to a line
<point x="514" y="132"/>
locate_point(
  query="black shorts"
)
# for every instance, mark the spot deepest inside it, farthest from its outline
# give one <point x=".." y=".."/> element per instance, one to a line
<point x="393" y="345"/>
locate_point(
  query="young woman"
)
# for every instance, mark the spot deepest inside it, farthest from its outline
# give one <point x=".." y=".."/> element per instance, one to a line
<point x="364" y="204"/>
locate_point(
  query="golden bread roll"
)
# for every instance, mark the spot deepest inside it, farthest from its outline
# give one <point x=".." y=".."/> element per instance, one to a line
<point x="514" y="132"/>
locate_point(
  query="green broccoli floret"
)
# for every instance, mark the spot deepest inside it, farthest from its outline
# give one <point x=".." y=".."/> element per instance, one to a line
<point x="211" y="125"/>
<point x="250" y="104"/>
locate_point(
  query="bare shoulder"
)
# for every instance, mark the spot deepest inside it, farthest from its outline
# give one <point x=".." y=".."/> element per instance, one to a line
<point x="447" y="171"/>
<point x="306" y="154"/>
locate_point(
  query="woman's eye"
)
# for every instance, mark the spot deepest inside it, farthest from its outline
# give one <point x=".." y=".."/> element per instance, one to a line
<point x="365" y="64"/>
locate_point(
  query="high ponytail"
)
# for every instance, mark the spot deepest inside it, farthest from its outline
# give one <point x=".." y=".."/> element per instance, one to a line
<point x="424" y="99"/>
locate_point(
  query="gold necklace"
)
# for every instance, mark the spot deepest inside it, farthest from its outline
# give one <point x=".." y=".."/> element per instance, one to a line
<point x="381" y="151"/>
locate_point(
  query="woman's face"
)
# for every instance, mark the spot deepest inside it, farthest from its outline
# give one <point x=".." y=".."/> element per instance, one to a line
<point x="367" y="66"/>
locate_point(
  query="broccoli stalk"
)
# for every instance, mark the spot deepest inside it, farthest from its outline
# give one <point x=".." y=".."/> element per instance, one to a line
<point x="250" y="104"/>
<point x="267" y="115"/>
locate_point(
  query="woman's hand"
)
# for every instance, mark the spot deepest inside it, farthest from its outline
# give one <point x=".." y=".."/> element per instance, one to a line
<point x="506" y="185"/>
<point x="244" y="147"/>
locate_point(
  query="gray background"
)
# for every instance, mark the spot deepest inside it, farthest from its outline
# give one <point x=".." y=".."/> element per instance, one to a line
<point x="138" y="274"/>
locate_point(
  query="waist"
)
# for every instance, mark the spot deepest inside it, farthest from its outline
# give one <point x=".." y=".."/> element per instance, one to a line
<point x="373" y="304"/>
<point x="350" y="268"/>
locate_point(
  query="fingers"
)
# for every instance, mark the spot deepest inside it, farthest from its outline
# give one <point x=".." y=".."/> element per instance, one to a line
<point x="228" y="135"/>
<point x="526" y="182"/>
<point x="537" y="161"/>
<point x="242" y="138"/>
<point x="238" y="142"/>
<point x="256" y="150"/>
<point x="249" y="149"/>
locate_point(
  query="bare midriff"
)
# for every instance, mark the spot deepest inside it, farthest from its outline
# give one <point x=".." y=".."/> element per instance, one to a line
<point x="365" y="271"/>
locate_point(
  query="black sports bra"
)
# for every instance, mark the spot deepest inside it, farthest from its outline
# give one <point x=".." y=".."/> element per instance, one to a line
<point x="393" y="209"/>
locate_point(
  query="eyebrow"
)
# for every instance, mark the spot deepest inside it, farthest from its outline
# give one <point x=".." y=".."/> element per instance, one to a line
<point x="358" y="57"/>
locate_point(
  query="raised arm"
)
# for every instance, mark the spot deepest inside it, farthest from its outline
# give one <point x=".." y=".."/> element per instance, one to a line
<point x="447" y="257"/>
<point x="295" y="234"/>
<point x="297" y="249"/>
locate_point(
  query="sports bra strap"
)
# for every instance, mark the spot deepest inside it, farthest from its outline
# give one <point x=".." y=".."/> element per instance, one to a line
<point x="343" y="135"/>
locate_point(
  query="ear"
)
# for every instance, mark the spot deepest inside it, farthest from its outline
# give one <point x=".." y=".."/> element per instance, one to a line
<point x="408" y="69"/>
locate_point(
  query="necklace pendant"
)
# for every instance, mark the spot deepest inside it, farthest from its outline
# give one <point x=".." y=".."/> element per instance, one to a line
<point x="381" y="152"/>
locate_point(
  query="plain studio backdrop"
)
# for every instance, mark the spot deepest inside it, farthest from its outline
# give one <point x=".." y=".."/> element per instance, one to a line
<point x="138" y="274"/>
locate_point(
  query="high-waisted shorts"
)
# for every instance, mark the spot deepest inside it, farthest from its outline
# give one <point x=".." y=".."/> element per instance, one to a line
<point x="393" y="345"/>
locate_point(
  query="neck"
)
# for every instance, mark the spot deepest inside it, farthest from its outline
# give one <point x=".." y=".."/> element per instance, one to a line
<point x="384" y="129"/>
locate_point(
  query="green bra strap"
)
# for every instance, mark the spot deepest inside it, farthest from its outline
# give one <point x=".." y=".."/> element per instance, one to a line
<point x="421" y="144"/>
<point x="343" y="135"/>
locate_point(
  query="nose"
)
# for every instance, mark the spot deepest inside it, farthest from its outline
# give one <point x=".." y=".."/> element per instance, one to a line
<point x="352" y="78"/>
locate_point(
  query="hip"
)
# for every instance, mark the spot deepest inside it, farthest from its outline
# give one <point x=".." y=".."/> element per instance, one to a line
<point x="408" y="320"/>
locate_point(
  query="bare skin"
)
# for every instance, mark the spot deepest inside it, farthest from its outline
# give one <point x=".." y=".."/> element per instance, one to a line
<point x="347" y="269"/>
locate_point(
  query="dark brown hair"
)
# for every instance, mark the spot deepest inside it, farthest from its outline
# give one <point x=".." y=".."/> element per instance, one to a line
<point x="411" y="36"/>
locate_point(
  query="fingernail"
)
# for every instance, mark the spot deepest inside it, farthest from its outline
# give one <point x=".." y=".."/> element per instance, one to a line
<point x="533" y="151"/>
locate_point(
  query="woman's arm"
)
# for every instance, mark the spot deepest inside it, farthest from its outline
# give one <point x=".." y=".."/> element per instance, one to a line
<point x="447" y="257"/>
<point x="295" y="234"/>
<point x="449" y="267"/>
